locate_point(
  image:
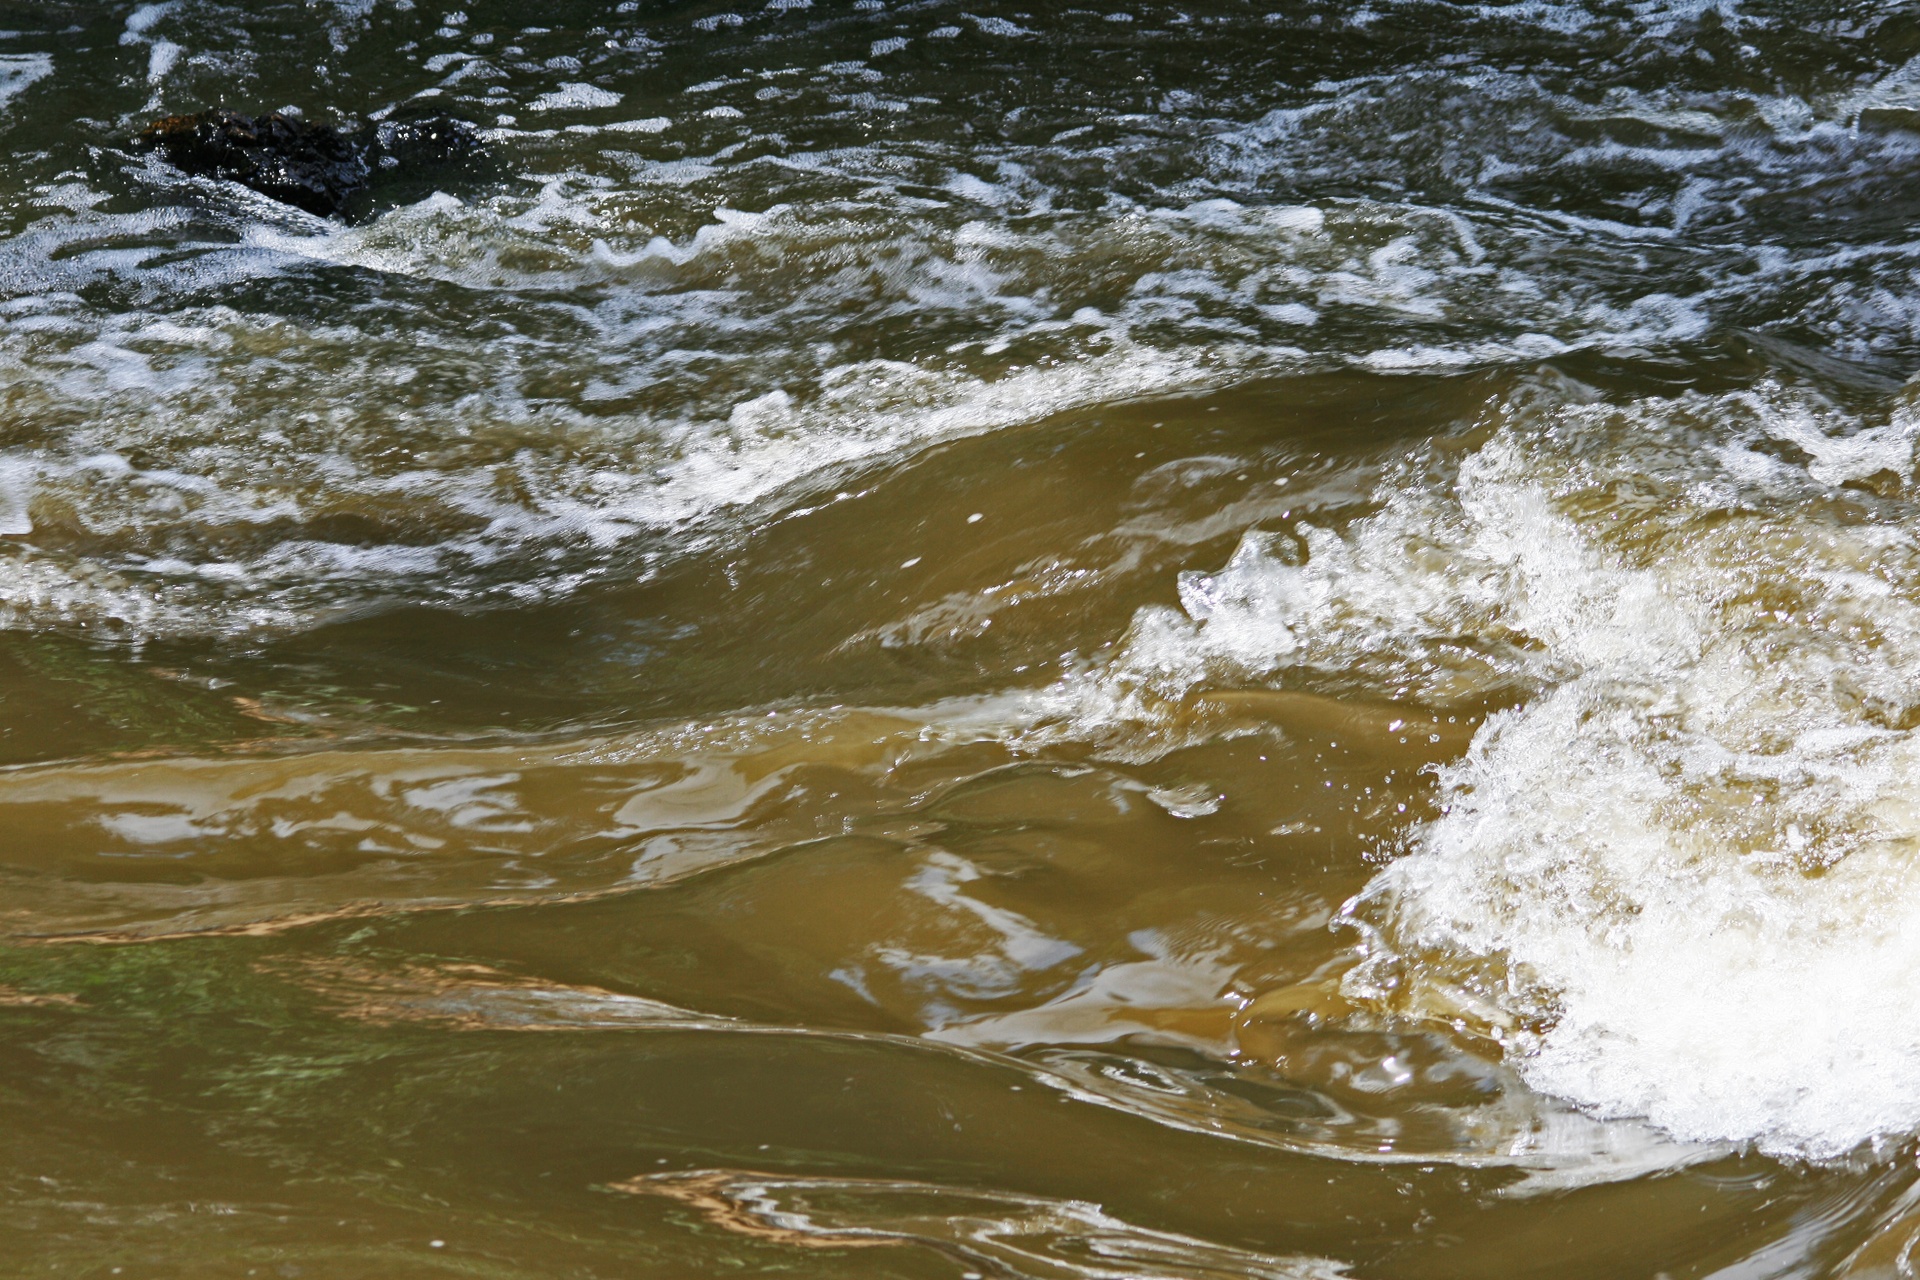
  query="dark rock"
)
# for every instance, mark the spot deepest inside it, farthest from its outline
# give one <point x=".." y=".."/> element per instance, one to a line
<point x="311" y="166"/>
<point x="307" y="165"/>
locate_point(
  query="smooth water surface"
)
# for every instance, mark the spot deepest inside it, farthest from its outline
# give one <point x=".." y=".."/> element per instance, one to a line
<point x="926" y="638"/>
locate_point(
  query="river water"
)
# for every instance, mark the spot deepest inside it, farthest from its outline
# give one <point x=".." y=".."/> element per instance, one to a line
<point x="944" y="638"/>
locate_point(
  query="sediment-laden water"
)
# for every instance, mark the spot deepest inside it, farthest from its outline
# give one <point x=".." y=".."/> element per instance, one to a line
<point x="922" y="639"/>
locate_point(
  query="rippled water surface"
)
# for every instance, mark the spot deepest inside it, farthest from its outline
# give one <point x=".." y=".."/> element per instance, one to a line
<point x="931" y="638"/>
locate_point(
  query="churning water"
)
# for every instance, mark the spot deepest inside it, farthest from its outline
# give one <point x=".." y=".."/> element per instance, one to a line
<point x="1197" y="640"/>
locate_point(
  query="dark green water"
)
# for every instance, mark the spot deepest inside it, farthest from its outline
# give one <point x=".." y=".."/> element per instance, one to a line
<point x="928" y="641"/>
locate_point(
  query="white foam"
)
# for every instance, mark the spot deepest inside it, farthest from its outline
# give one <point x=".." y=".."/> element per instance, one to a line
<point x="20" y="70"/>
<point x="16" y="490"/>
<point x="575" y="97"/>
<point x="145" y="17"/>
<point x="637" y="476"/>
<point x="161" y="59"/>
<point x="977" y="244"/>
<point x="765" y="422"/>
<point x="995" y="26"/>
<point x="1685" y="866"/>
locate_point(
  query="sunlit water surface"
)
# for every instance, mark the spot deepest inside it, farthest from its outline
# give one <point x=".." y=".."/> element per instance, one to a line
<point x="922" y="640"/>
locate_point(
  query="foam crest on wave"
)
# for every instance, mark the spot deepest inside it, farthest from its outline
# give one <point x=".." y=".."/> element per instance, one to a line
<point x="1681" y="872"/>
<point x="573" y="385"/>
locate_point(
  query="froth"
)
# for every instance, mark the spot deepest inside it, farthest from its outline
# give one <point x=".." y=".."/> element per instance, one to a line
<point x="1679" y="877"/>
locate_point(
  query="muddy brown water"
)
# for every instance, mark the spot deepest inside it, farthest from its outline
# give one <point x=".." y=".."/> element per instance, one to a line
<point x="1137" y="641"/>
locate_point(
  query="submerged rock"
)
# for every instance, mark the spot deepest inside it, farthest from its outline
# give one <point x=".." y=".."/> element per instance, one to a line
<point x="311" y="166"/>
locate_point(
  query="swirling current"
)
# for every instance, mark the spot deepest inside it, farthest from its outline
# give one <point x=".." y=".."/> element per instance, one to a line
<point x="924" y="638"/>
